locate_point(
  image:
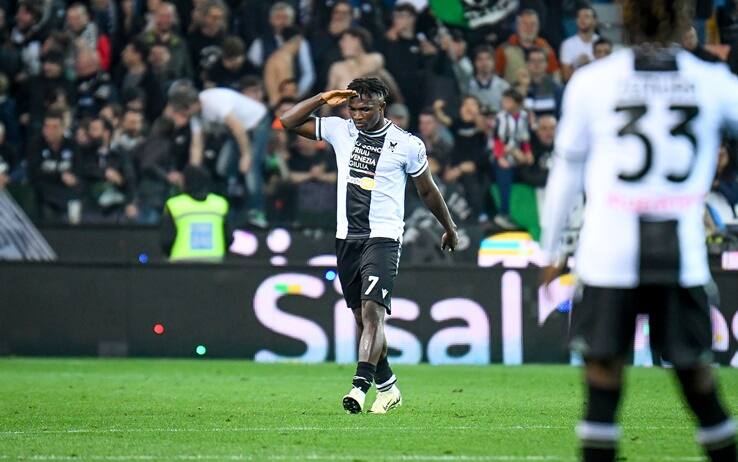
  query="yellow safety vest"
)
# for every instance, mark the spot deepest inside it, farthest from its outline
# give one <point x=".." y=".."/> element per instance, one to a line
<point x="199" y="227"/>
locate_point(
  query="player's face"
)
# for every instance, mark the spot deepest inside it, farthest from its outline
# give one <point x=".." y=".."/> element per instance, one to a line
<point x="367" y="112"/>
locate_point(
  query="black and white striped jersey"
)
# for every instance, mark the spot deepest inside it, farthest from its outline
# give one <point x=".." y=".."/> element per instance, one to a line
<point x="372" y="175"/>
<point x="639" y="134"/>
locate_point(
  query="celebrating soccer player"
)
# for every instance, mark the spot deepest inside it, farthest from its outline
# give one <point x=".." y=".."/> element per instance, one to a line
<point x="640" y="134"/>
<point x="374" y="158"/>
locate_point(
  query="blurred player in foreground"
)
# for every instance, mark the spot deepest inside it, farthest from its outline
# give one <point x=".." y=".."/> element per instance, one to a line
<point x="639" y="134"/>
<point x="374" y="158"/>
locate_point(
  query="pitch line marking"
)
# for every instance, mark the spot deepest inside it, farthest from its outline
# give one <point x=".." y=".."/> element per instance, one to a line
<point x="279" y="429"/>
<point x="316" y="429"/>
<point x="332" y="457"/>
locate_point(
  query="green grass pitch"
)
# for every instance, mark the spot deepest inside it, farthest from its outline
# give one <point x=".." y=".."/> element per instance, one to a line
<point x="181" y="410"/>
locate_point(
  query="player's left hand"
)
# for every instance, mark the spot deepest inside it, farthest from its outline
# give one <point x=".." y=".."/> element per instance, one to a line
<point x="549" y="273"/>
<point x="450" y="240"/>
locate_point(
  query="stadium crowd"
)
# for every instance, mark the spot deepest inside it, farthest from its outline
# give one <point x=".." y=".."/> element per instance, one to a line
<point x="103" y="103"/>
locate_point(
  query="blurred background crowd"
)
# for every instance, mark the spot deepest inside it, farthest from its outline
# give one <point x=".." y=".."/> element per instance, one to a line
<point x="104" y="103"/>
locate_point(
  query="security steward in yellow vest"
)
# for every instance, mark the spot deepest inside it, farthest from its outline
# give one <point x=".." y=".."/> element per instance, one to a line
<point x="194" y="225"/>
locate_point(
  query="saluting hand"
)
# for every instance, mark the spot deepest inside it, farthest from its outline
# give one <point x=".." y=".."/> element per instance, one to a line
<point x="335" y="98"/>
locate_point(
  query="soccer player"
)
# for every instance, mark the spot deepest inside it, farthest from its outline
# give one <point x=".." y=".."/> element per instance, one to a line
<point x="639" y="133"/>
<point x="374" y="158"/>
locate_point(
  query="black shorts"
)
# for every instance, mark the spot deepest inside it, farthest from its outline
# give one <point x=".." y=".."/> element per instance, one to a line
<point x="367" y="269"/>
<point x="603" y="323"/>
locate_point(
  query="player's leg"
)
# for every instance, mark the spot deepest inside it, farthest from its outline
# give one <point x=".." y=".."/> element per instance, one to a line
<point x="348" y="254"/>
<point x="598" y="433"/>
<point x="370" y="348"/>
<point x="717" y="431"/>
<point x="602" y="330"/>
<point x="683" y="332"/>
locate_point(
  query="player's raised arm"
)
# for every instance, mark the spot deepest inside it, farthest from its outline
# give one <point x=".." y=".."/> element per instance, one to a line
<point x="299" y="118"/>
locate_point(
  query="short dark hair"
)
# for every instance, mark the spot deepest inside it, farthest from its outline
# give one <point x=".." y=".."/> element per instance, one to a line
<point x="587" y="7"/>
<point x="407" y="7"/>
<point x="233" y="47"/>
<point x="483" y="48"/>
<point x="661" y="21"/>
<point x="248" y="81"/>
<point x="196" y="180"/>
<point x="601" y="41"/>
<point x="140" y="46"/>
<point x="532" y="50"/>
<point x="364" y="36"/>
<point x="514" y="95"/>
<point x="370" y="87"/>
<point x="54" y="114"/>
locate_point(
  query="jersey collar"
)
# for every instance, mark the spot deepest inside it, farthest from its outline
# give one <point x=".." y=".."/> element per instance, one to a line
<point x="379" y="132"/>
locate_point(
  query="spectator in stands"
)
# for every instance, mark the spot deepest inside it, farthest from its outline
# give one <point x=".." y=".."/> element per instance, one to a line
<point x="160" y="60"/>
<point x="542" y="146"/>
<point x="156" y="166"/>
<point x="94" y="87"/>
<point x="438" y="148"/>
<point x="105" y="15"/>
<point x="511" y="54"/>
<point x="602" y="48"/>
<point x="130" y="135"/>
<point x="454" y="45"/>
<point x="9" y="114"/>
<point x="510" y="148"/>
<point x="194" y="225"/>
<point x="727" y="21"/>
<point x="399" y="114"/>
<point x="726" y="178"/>
<point x="130" y="24"/>
<point x="281" y="18"/>
<point x="85" y="34"/>
<point x="485" y="84"/>
<point x="163" y="33"/>
<point x="578" y="50"/>
<point x="37" y="90"/>
<point x="311" y="183"/>
<point x="544" y="94"/>
<point x="691" y="43"/>
<point x="408" y="55"/>
<point x="357" y="62"/>
<point x="280" y="67"/>
<point x="27" y="37"/>
<point x="231" y="67"/>
<point x="223" y="109"/>
<point x="467" y="164"/>
<point x="53" y="168"/>
<point x="138" y="74"/>
<point x="8" y="160"/>
<point x="108" y="175"/>
<point x="324" y="42"/>
<point x="208" y="33"/>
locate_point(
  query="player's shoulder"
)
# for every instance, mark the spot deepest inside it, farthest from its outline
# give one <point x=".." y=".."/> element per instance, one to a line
<point x="337" y="126"/>
<point x="691" y="64"/>
<point x="620" y="61"/>
<point x="409" y="141"/>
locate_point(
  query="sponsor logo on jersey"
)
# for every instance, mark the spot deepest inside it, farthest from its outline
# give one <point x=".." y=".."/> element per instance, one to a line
<point x="366" y="183"/>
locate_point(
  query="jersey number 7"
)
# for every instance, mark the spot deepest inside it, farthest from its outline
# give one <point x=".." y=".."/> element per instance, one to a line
<point x="681" y="129"/>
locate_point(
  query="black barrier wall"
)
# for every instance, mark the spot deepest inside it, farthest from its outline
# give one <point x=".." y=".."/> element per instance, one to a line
<point x="468" y="315"/>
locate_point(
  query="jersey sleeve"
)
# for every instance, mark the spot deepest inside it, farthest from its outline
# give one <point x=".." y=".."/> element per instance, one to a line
<point x="572" y="138"/>
<point x="328" y="128"/>
<point x="417" y="159"/>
